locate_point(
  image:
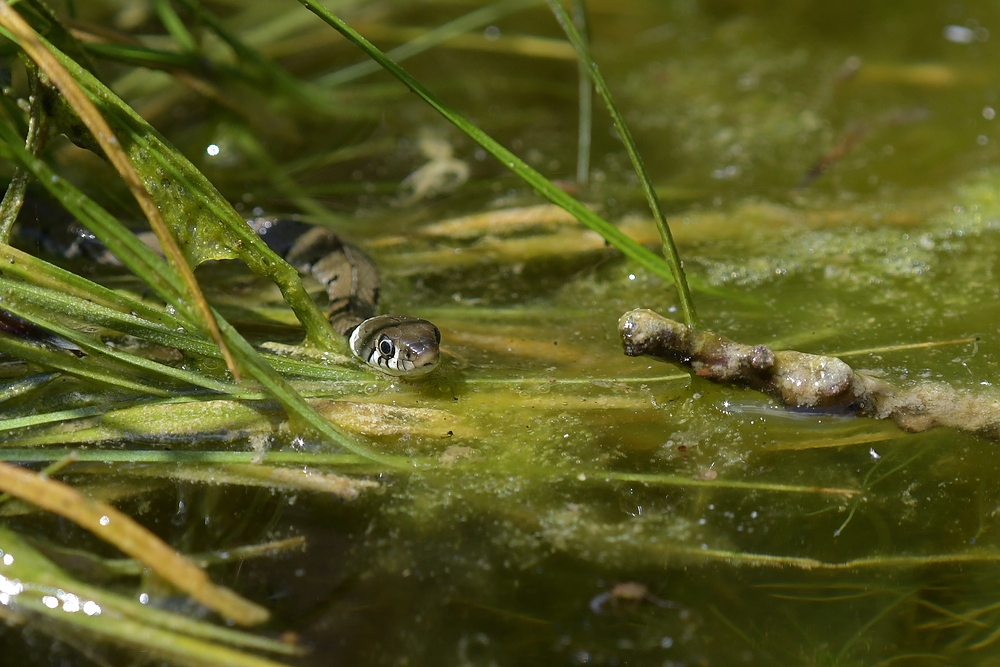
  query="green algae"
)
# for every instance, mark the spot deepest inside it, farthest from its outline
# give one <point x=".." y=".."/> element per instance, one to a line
<point x="783" y="537"/>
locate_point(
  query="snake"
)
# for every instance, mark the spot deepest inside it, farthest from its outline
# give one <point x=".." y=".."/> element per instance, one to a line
<point x="396" y="345"/>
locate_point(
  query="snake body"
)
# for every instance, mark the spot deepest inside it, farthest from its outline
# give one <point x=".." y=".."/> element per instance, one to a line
<point x="397" y="345"/>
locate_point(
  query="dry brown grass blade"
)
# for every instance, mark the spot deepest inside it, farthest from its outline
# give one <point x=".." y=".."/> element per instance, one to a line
<point x="116" y="528"/>
<point x="106" y="139"/>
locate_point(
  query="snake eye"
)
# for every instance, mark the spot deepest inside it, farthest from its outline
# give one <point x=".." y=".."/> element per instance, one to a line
<point x="385" y="347"/>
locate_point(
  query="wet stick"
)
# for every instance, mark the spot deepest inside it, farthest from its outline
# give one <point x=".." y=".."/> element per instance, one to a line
<point x="809" y="380"/>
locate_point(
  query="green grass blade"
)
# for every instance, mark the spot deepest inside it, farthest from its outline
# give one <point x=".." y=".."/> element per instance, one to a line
<point x="25" y="385"/>
<point x="162" y="279"/>
<point x="178" y="457"/>
<point x="29" y="269"/>
<point x="109" y="318"/>
<point x="64" y="361"/>
<point x="205" y="224"/>
<point x="169" y="636"/>
<point x="542" y="185"/>
<point x="293" y="402"/>
<point x="175" y="26"/>
<point x="430" y="39"/>
<point x="669" y="248"/>
<point x="145" y="57"/>
<point x="99" y="305"/>
<point x="586" y="103"/>
<point x="129" y="363"/>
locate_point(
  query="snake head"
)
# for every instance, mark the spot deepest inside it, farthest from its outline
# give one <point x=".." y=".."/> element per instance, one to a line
<point x="397" y="345"/>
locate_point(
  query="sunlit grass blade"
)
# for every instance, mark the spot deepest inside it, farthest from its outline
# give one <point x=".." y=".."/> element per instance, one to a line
<point x="30" y="269"/>
<point x="129" y="567"/>
<point x="542" y="185"/>
<point x="97" y="314"/>
<point x="113" y="617"/>
<point x="83" y="368"/>
<point x="25" y="385"/>
<point x="675" y="480"/>
<point x="99" y="305"/>
<point x="145" y="57"/>
<point x="48" y="471"/>
<point x="37" y="135"/>
<point x="175" y="26"/>
<point x="181" y="457"/>
<point x="55" y="417"/>
<point x="118" y="529"/>
<point x="252" y="474"/>
<point x="669" y="248"/>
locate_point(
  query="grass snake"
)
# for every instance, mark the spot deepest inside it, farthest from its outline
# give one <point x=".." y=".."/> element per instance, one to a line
<point x="397" y="345"/>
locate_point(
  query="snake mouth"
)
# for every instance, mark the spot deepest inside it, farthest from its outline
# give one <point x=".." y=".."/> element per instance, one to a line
<point x="418" y="356"/>
<point x="426" y="362"/>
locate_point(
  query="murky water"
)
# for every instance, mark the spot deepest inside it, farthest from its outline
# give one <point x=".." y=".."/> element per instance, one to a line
<point x="830" y="170"/>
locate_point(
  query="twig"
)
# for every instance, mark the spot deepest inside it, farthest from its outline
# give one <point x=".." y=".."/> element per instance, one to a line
<point x="809" y="380"/>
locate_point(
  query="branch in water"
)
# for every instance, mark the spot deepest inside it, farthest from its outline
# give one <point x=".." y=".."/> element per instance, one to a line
<point x="808" y="380"/>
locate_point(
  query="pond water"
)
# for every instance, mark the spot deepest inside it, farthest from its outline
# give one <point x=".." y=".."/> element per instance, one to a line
<point x="830" y="172"/>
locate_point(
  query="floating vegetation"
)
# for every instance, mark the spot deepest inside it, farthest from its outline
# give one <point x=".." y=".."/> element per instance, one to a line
<point x="252" y="496"/>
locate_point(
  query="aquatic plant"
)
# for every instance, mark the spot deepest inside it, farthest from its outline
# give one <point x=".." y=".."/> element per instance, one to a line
<point x="542" y="494"/>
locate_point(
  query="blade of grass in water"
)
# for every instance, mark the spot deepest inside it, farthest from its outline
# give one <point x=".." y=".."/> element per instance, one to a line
<point x="430" y="39"/>
<point x="586" y="102"/>
<point x="130" y="363"/>
<point x="205" y="223"/>
<point x="118" y="529"/>
<point x="105" y="137"/>
<point x="142" y="56"/>
<point x="64" y="361"/>
<point x="38" y="133"/>
<point x="157" y="274"/>
<point x="178" y="457"/>
<point x="128" y="567"/>
<point x="175" y="26"/>
<point x="99" y="305"/>
<point x="669" y="248"/>
<point x="39" y="576"/>
<point x="25" y="385"/>
<point x="542" y="185"/>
